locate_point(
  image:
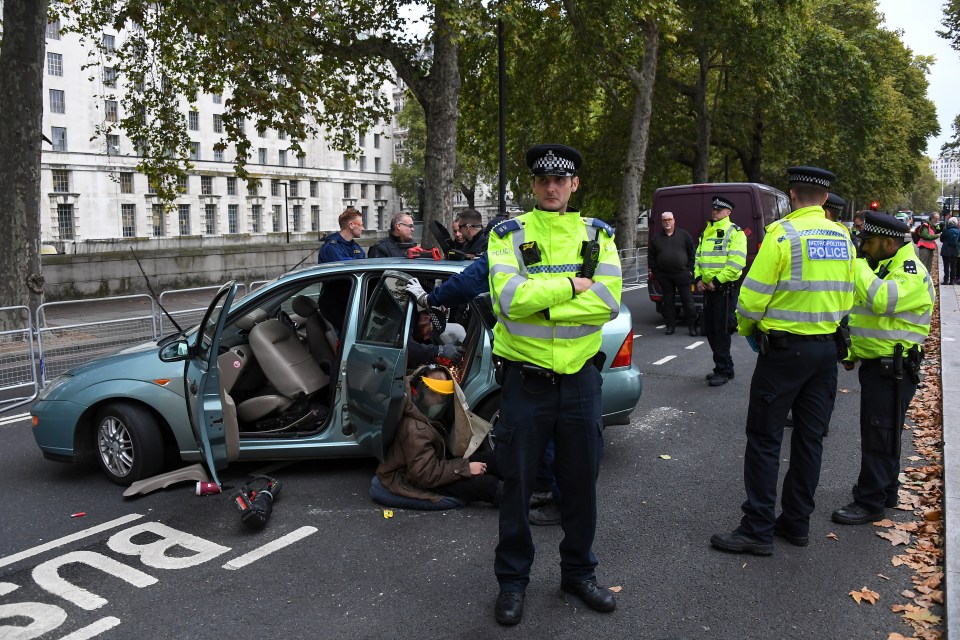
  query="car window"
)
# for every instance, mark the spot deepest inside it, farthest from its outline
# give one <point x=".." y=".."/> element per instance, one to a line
<point x="386" y="314"/>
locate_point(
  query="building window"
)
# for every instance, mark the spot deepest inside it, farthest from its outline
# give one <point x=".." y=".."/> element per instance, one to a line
<point x="65" y="221"/>
<point x="376" y="141"/>
<point x="231" y="186"/>
<point x="53" y="30"/>
<point x="363" y="163"/>
<point x="363" y="191"/>
<point x="256" y="212"/>
<point x="126" y="182"/>
<point x="313" y="188"/>
<point x="253" y="187"/>
<point x="210" y="219"/>
<point x="361" y="140"/>
<point x="261" y="132"/>
<point x="128" y="220"/>
<point x="57" y="102"/>
<point x="159" y="221"/>
<point x="111" y="111"/>
<point x="194" y="150"/>
<point x="242" y="125"/>
<point x="109" y="44"/>
<point x="233" y="218"/>
<point x="183" y="215"/>
<point x="301" y="160"/>
<point x="281" y="135"/>
<point x="54" y="64"/>
<point x="261" y="156"/>
<point x="206" y="185"/>
<point x="183" y="185"/>
<point x="193" y="120"/>
<point x="110" y="77"/>
<point x="113" y="144"/>
<point x="346" y="163"/>
<point x="218" y="155"/>
<point x="294" y="188"/>
<point x="298" y="217"/>
<point x="315" y="218"/>
<point x="217" y="98"/>
<point x="376" y="165"/>
<point x="364" y="211"/>
<point x="217" y="123"/>
<point x="277" y="213"/>
<point x="59" y="135"/>
<point x="151" y="187"/>
<point x="275" y="188"/>
<point x="378" y="192"/>
<point x="282" y="158"/>
<point x="61" y="181"/>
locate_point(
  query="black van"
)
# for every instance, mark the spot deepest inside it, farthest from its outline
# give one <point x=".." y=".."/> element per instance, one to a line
<point x="755" y="206"/>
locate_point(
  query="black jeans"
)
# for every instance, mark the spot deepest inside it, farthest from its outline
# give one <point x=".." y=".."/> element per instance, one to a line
<point x="670" y="283"/>
<point x="949" y="268"/>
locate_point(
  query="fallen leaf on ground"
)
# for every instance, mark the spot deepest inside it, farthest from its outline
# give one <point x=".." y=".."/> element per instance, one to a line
<point x="865" y="594"/>
<point x="843" y="390"/>
<point x="896" y="636"/>
<point x="880" y="575"/>
<point x="664" y="456"/>
<point x="932" y="514"/>
<point x="616" y="589"/>
<point x="832" y="536"/>
<point x="906" y="593"/>
<point x="895" y="536"/>
<point x="922" y="615"/>
<point x="884" y="523"/>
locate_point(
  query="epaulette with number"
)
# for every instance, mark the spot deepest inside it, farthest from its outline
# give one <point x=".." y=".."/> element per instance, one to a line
<point x="507" y="226"/>
<point x="600" y="224"/>
<point x="909" y="266"/>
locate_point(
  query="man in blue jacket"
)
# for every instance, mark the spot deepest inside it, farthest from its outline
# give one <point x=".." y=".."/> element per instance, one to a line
<point x="343" y="245"/>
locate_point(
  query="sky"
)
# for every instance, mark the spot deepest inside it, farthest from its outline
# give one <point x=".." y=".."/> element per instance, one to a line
<point x="919" y="20"/>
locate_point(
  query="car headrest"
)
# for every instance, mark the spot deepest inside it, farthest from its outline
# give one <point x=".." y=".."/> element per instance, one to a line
<point x="304" y="306"/>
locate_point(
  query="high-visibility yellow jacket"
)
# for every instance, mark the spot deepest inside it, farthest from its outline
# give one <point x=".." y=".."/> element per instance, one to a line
<point x="892" y="305"/>
<point x="721" y="252"/>
<point x="533" y="259"/>
<point x="802" y="278"/>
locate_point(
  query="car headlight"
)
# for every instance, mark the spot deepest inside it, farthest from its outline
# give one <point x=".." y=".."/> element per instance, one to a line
<point x="53" y="384"/>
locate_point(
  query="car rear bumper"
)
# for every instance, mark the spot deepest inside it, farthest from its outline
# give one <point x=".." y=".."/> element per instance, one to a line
<point x="622" y="389"/>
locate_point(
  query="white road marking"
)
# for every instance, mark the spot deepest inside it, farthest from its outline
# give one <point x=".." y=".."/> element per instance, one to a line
<point x="634" y="287"/>
<point x="695" y="344"/>
<point x="59" y="542"/>
<point x="667" y="359"/>
<point x="93" y="630"/>
<point x="9" y="420"/>
<point x="949" y="339"/>
<point x="270" y="547"/>
<point x="661" y="326"/>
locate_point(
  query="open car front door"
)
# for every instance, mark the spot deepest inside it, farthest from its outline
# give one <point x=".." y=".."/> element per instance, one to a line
<point x="376" y="366"/>
<point x="201" y="380"/>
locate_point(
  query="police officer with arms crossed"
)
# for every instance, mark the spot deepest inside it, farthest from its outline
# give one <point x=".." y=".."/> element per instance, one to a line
<point x="790" y="306"/>
<point x="555" y="280"/>
<point x="888" y="324"/>
<point x="721" y="257"/>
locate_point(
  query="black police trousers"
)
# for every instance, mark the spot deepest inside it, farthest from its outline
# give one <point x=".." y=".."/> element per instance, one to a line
<point x="534" y="408"/>
<point x="719" y="320"/>
<point x="881" y="426"/>
<point x="802" y="377"/>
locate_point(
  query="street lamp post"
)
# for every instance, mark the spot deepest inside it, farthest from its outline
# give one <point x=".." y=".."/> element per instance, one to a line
<point x="286" y="209"/>
<point x="502" y="111"/>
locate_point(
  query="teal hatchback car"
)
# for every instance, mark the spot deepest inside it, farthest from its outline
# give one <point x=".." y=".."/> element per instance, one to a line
<point x="311" y="365"/>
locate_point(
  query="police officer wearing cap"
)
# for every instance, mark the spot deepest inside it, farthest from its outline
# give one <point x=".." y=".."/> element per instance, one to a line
<point x="889" y="321"/>
<point x="555" y="280"/>
<point x="721" y="257"/>
<point x="798" y="289"/>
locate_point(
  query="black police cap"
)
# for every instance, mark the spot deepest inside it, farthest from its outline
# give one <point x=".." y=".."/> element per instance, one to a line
<point x="810" y="175"/>
<point x="553" y="160"/>
<point x="719" y="202"/>
<point x="835" y="203"/>
<point x="881" y="224"/>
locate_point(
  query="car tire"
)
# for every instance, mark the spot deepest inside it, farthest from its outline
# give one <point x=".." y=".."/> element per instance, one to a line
<point x="129" y="446"/>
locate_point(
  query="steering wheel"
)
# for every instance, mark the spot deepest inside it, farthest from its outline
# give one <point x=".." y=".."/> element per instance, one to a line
<point x="285" y="318"/>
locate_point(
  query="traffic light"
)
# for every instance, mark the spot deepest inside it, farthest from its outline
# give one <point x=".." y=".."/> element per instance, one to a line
<point x="874" y="206"/>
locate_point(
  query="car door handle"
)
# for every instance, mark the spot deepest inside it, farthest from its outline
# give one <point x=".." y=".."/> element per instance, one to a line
<point x="194" y="388"/>
<point x="380" y="364"/>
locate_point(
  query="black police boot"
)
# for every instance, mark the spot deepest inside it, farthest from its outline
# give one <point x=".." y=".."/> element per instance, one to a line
<point x="509" y="607"/>
<point x="738" y="542"/>
<point x="670" y="330"/>
<point x="719" y="379"/>
<point x="781" y="530"/>
<point x="597" y="598"/>
<point x="692" y="328"/>
<point x="855" y="513"/>
<point x="546" y="515"/>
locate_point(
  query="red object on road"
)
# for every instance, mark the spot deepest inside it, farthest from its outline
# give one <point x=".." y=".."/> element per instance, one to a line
<point x="78" y="514"/>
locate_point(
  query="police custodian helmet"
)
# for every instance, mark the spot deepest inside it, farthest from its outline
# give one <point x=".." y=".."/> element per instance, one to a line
<point x="553" y="160"/>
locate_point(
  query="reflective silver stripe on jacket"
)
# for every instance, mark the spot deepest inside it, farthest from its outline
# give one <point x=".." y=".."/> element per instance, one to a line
<point x="906" y="316"/>
<point x="756" y="316"/>
<point x="544" y="332"/>
<point x="892" y="294"/>
<point x="805" y="316"/>
<point x="759" y="287"/>
<point x="796" y="254"/>
<point x="604" y="294"/>
<point x="604" y="269"/>
<point x="510" y="287"/>
<point x="843" y="286"/>
<point x="888" y="334"/>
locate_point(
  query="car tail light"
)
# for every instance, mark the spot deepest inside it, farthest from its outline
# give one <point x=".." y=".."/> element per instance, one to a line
<point x="624" y="357"/>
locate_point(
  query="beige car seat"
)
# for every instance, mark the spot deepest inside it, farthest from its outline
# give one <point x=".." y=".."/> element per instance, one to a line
<point x="321" y="338"/>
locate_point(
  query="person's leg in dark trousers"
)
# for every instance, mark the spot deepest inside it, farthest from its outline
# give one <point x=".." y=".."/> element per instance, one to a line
<point x="527" y="408"/>
<point x="578" y="437"/>
<point x="686" y="301"/>
<point x="482" y="488"/>
<point x="668" y="301"/>
<point x="812" y="410"/>
<point x="716" y="328"/>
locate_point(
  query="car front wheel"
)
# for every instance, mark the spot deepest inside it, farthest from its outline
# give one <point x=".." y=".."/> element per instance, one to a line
<point x="129" y="445"/>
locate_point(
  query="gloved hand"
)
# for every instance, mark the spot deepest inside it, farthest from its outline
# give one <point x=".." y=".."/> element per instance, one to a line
<point x="752" y="341"/>
<point x="450" y="352"/>
<point x="419" y="295"/>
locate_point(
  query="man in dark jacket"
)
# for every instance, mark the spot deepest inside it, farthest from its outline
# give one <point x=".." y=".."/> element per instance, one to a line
<point x="400" y="239"/>
<point x="471" y="226"/>
<point x="343" y="245"/>
<point x="670" y="258"/>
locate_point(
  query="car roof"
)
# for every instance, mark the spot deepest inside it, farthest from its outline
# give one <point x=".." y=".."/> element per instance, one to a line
<point x="376" y="264"/>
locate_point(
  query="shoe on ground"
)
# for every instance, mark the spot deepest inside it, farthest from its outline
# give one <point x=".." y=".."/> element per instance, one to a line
<point x="738" y="542"/>
<point x="693" y="333"/>
<point x="781" y="531"/>
<point x="890" y="502"/>
<point x="670" y="331"/>
<point x="540" y="498"/>
<point x="547" y="515"/>
<point x="714" y="374"/>
<point x="597" y="598"/>
<point x="509" y="607"/>
<point x="855" y="513"/>
<point x="718" y="380"/>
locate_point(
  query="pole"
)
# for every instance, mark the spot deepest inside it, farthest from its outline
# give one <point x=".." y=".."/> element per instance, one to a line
<point x="502" y="110"/>
<point x="286" y="209"/>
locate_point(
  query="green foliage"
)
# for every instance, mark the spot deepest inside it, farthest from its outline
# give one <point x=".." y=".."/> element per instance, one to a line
<point x="412" y="168"/>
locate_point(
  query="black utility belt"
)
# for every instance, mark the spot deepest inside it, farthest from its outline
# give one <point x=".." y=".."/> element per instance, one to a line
<point x="527" y="368"/>
<point x="776" y="335"/>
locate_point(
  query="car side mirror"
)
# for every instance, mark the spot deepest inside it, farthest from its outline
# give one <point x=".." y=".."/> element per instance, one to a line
<point x="176" y="351"/>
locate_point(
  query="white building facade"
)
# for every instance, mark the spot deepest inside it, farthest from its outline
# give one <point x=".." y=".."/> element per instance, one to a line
<point x="91" y="189"/>
<point x="947" y="168"/>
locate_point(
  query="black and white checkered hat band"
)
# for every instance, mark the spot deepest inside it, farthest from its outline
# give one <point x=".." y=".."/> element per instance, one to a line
<point x="549" y="163"/>
<point x="803" y="177"/>
<point x="720" y="203"/>
<point x="875" y="230"/>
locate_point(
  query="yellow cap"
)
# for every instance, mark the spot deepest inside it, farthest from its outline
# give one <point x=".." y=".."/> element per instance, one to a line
<point x="443" y="387"/>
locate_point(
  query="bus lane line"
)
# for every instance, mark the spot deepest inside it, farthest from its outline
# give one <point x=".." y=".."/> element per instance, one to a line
<point x="270" y="547"/>
<point x="73" y="537"/>
<point x="93" y="630"/>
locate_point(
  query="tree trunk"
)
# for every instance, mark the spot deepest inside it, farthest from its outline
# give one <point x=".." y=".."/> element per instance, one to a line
<point x="701" y="155"/>
<point x="469" y="194"/>
<point x="21" y="114"/>
<point x="642" y="81"/>
<point x="752" y="164"/>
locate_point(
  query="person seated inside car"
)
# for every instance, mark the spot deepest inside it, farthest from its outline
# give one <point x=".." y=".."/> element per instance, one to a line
<point x="435" y="341"/>
<point x="434" y="452"/>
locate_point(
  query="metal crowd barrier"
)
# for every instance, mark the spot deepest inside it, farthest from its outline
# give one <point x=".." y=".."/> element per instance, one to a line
<point x="634" y="272"/>
<point x="192" y="316"/>
<point x="18" y="370"/>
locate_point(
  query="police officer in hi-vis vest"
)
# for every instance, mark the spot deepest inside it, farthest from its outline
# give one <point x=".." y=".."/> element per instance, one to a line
<point x="798" y="289"/>
<point x="555" y="280"/>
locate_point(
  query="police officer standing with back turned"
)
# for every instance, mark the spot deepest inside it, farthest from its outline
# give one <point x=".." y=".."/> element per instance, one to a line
<point x="888" y="324"/>
<point x="555" y="281"/>
<point x="721" y="257"/>
<point x="790" y="307"/>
